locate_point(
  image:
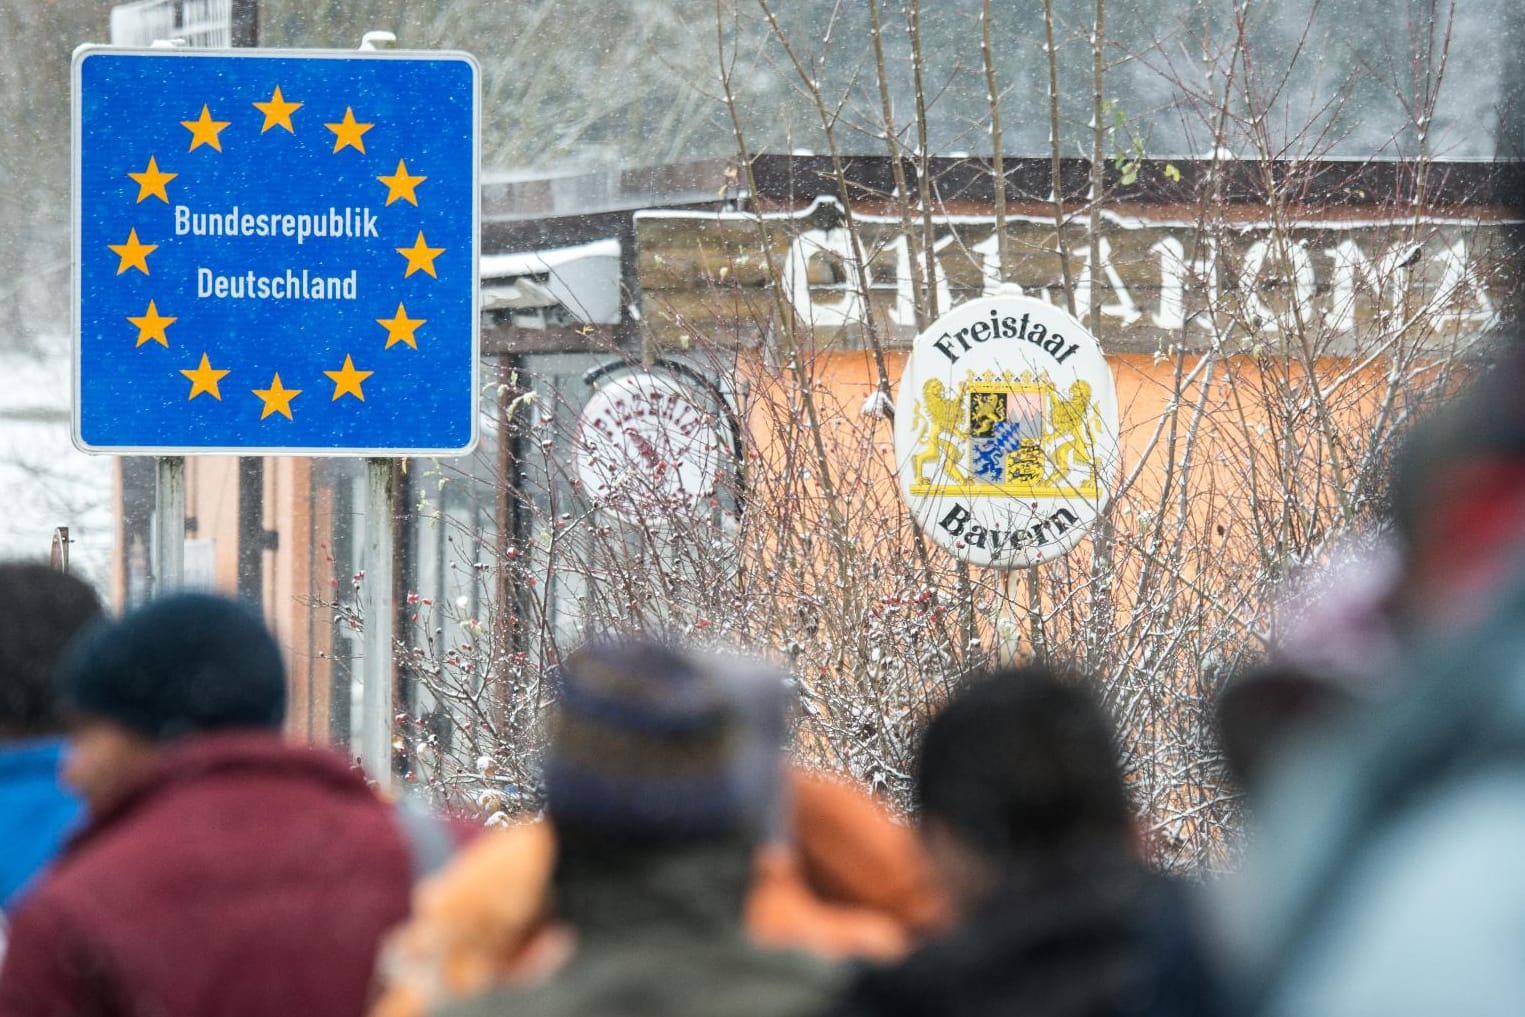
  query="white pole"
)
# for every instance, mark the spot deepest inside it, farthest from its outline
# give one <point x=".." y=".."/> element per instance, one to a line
<point x="376" y="698"/>
<point x="380" y="510"/>
<point x="169" y="525"/>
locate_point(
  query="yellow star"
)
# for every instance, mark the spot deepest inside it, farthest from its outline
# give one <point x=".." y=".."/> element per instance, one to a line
<point x="277" y="399"/>
<point x="152" y="326"/>
<point x="347" y="380"/>
<point x="402" y="185"/>
<point x="134" y="254"/>
<point x="151" y="182"/>
<point x="205" y="130"/>
<point x="347" y="132"/>
<point x="400" y="328"/>
<point x="277" y="112"/>
<point x="420" y="256"/>
<point x="205" y="379"/>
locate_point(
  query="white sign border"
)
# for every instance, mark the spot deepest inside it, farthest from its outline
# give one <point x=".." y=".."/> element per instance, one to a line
<point x="928" y="510"/>
<point x="84" y="52"/>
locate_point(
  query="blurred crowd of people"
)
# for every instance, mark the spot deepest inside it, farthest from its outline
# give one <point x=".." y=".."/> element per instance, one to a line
<point x="165" y="852"/>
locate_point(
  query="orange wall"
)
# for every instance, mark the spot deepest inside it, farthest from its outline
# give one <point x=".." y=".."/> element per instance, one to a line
<point x="211" y="499"/>
<point x="1233" y="459"/>
<point x="295" y="510"/>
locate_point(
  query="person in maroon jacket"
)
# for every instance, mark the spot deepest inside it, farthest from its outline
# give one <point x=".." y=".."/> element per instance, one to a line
<point x="222" y="871"/>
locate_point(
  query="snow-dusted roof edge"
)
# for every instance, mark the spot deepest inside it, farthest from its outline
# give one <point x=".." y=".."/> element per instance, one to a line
<point x="507" y="266"/>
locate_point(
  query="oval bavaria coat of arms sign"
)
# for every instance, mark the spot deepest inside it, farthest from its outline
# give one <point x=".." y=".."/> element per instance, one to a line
<point x="1006" y="431"/>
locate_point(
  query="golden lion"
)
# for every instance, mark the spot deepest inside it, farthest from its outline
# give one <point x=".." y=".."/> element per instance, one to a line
<point x="1073" y="422"/>
<point x="939" y="418"/>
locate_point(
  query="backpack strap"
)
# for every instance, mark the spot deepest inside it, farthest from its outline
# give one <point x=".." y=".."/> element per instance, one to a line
<point x="429" y="842"/>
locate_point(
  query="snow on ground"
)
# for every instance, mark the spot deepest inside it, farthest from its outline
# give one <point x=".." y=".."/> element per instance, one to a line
<point x="44" y="480"/>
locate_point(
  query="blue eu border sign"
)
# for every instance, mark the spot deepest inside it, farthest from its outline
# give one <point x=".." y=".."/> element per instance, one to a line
<point x="275" y="252"/>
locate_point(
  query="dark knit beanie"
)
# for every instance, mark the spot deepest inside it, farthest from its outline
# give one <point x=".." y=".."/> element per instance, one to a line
<point x="649" y="743"/>
<point x="184" y="663"/>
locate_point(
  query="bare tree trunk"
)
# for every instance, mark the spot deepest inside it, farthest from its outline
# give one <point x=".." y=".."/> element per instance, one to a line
<point x="1056" y="176"/>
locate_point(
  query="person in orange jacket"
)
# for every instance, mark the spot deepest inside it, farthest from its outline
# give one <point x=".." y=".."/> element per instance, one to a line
<point x="845" y="881"/>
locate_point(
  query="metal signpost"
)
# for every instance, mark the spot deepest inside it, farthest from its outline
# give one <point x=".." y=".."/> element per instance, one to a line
<point x="213" y="24"/>
<point x="276" y="254"/>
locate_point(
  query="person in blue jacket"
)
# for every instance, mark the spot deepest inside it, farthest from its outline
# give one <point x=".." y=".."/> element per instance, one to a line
<point x="1384" y="872"/>
<point x="40" y="611"/>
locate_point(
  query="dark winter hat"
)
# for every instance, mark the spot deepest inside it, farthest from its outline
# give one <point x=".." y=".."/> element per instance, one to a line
<point x="650" y="743"/>
<point x="185" y="663"/>
<point x="41" y="610"/>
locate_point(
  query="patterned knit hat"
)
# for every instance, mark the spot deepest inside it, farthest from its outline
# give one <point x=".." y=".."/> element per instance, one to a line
<point x="650" y="743"/>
